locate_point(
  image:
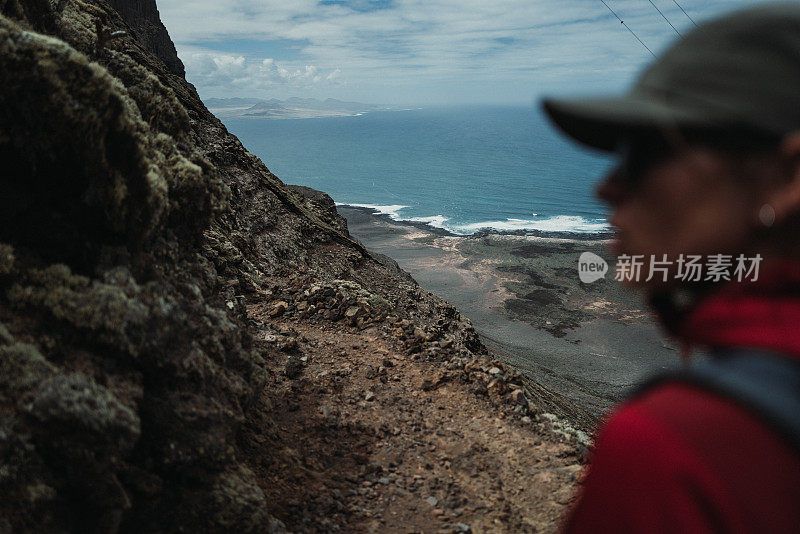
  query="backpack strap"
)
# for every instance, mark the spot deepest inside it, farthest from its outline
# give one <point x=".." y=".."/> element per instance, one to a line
<point x="763" y="382"/>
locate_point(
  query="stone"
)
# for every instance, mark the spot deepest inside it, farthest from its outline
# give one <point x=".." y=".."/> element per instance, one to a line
<point x="237" y="504"/>
<point x="370" y="372"/>
<point x="278" y="309"/>
<point x="517" y="396"/>
<point x="479" y="388"/>
<point x="353" y="312"/>
<point x="288" y="344"/>
<point x="294" y="367"/>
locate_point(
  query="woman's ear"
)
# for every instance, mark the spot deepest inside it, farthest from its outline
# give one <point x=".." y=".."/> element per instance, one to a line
<point x="785" y="198"/>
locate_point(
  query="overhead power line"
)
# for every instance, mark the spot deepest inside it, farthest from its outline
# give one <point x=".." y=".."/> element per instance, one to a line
<point x="684" y="12"/>
<point x="663" y="16"/>
<point x="626" y="27"/>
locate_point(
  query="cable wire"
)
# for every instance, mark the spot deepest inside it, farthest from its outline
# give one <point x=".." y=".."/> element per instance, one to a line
<point x="664" y="17"/>
<point x="685" y="13"/>
<point x="626" y="27"/>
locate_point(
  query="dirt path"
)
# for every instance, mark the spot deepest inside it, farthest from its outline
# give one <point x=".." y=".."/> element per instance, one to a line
<point x="358" y="435"/>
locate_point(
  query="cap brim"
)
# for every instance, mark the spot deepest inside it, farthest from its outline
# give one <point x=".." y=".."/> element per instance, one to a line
<point x="602" y="122"/>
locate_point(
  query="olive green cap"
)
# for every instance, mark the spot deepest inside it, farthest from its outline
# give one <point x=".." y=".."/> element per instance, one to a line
<point x="741" y="71"/>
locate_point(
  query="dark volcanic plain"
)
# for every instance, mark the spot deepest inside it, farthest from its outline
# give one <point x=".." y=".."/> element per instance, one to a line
<point x="591" y="342"/>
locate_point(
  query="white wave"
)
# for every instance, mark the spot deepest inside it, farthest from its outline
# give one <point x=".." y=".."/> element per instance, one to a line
<point x="558" y="223"/>
<point x="437" y="221"/>
<point x="393" y="210"/>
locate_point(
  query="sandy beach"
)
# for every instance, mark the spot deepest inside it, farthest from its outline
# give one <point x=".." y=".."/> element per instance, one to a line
<point x="588" y="342"/>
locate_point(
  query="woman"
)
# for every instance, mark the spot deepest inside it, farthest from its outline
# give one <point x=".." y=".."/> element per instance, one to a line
<point x="709" y="147"/>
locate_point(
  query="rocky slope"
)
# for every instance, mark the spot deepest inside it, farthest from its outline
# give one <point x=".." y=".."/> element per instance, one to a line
<point x="143" y="18"/>
<point x="147" y="261"/>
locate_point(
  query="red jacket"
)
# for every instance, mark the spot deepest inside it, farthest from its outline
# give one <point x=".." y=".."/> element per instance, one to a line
<point x="681" y="459"/>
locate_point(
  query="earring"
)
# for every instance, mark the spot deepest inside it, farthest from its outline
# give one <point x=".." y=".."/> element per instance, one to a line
<point x="766" y="215"/>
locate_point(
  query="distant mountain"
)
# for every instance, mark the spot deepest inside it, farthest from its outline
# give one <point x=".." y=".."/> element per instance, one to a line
<point x="231" y="102"/>
<point x="291" y="108"/>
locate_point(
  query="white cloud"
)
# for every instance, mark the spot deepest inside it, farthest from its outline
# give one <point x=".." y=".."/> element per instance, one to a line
<point x="215" y="70"/>
<point x="421" y="49"/>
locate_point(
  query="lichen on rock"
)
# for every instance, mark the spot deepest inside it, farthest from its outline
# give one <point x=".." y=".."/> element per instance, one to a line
<point x="83" y="168"/>
<point x="82" y="410"/>
<point x="22" y="367"/>
<point x="105" y="310"/>
<point x="237" y="503"/>
<point x="121" y="384"/>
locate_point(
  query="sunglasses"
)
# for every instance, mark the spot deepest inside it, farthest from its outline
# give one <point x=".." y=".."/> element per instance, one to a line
<point x="636" y="156"/>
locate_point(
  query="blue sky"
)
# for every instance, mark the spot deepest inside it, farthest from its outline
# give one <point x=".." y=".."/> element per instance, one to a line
<point x="417" y="52"/>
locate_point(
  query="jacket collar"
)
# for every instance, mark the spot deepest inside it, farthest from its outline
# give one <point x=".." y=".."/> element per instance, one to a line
<point x="764" y="313"/>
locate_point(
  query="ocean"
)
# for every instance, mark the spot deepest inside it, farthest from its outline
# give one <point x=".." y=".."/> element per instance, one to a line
<point x="462" y="169"/>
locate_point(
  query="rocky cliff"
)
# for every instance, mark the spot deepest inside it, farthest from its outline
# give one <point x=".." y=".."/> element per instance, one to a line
<point x="134" y="230"/>
<point x="146" y="259"/>
<point x="143" y="19"/>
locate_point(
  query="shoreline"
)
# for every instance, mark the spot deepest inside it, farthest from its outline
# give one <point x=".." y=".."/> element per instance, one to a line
<point x="437" y="230"/>
<point x="588" y="342"/>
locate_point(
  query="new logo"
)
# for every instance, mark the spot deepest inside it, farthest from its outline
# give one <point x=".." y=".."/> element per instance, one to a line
<point x="591" y="267"/>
